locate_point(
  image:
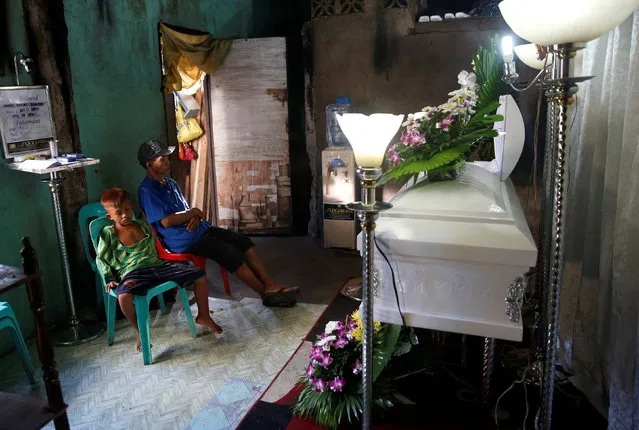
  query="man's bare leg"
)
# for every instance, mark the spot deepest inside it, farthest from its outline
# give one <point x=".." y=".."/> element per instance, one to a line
<point x="246" y="275"/>
<point x="128" y="309"/>
<point x="258" y="269"/>
<point x="201" y="291"/>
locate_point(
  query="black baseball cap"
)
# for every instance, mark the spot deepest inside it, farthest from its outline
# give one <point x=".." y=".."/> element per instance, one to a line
<point x="151" y="149"/>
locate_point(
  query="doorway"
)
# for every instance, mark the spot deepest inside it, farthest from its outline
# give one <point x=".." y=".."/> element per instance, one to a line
<point x="241" y="176"/>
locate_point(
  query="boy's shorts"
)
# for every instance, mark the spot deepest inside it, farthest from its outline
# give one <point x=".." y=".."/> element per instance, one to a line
<point x="138" y="282"/>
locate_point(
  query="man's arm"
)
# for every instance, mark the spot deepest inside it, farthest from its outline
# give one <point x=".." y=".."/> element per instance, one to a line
<point x="181" y="217"/>
<point x="156" y="210"/>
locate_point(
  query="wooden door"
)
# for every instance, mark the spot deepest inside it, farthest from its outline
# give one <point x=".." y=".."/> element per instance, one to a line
<point x="249" y="117"/>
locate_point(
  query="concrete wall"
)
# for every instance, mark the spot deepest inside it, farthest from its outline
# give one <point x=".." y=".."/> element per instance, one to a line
<point x="387" y="63"/>
<point x="115" y="64"/>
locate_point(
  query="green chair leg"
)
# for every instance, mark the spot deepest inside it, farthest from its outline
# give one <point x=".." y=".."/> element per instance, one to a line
<point x="21" y="347"/>
<point x="112" y="304"/>
<point x="187" y="310"/>
<point x="162" y="304"/>
<point x="99" y="291"/>
<point x="8" y="320"/>
<point x="142" y="311"/>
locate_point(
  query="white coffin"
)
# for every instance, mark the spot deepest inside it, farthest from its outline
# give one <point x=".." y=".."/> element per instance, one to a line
<point x="455" y="247"/>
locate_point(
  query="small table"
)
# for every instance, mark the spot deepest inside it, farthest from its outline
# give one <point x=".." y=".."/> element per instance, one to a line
<point x="26" y="412"/>
<point x="76" y="332"/>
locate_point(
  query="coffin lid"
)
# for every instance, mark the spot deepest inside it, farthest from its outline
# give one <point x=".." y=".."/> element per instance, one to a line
<point x="475" y="218"/>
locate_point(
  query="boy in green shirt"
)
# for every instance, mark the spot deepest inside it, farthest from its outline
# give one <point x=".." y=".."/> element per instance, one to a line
<point x="128" y="260"/>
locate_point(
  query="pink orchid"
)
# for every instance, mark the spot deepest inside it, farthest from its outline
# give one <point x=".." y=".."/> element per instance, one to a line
<point x="393" y="157"/>
<point x="336" y="384"/>
<point x="411" y="137"/>
<point x="310" y="370"/>
<point x="341" y="342"/>
<point x="317" y="353"/>
<point x="325" y="360"/>
<point x="357" y="367"/>
<point x="318" y="385"/>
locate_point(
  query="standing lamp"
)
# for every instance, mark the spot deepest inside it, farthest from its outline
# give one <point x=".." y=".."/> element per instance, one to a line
<point x="369" y="136"/>
<point x="560" y="26"/>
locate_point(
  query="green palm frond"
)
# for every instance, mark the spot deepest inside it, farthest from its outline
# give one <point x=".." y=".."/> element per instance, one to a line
<point x="408" y="168"/>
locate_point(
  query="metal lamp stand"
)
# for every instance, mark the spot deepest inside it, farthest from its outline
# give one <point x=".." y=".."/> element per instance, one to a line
<point x="560" y="89"/>
<point x="367" y="211"/>
<point x="76" y="332"/>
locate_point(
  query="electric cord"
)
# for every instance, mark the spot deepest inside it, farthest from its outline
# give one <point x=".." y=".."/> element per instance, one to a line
<point x="399" y="309"/>
<point x="519" y="381"/>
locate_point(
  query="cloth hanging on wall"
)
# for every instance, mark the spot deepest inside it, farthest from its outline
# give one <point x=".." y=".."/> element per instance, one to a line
<point x="599" y="320"/>
<point x="182" y="51"/>
<point x="189" y="72"/>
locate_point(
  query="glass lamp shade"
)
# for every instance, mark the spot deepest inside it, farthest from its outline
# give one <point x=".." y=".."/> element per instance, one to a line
<point x="528" y="55"/>
<point x="551" y="22"/>
<point x="369" y="135"/>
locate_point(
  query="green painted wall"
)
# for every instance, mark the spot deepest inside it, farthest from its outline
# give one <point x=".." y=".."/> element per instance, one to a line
<point x="26" y="210"/>
<point x="115" y="65"/>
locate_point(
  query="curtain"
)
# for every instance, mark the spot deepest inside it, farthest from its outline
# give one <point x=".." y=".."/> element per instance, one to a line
<point x="185" y="56"/>
<point x="599" y="321"/>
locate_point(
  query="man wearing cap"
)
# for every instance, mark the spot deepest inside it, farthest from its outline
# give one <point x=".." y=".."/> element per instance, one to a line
<point x="183" y="230"/>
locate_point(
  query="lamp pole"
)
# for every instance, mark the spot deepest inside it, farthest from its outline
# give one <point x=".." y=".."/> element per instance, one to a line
<point x="561" y="87"/>
<point x="367" y="212"/>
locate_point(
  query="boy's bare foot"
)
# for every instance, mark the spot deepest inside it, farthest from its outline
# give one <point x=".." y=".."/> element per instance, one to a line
<point x="208" y="321"/>
<point x="138" y="346"/>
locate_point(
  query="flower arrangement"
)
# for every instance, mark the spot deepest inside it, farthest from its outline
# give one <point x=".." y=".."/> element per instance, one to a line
<point x="438" y="139"/>
<point x="333" y="383"/>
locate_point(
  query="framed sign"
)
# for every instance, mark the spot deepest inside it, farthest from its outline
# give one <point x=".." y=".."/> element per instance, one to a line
<point x="26" y="124"/>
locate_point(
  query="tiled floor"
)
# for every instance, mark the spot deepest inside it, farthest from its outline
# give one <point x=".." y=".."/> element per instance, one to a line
<point x="196" y="383"/>
<point x="229" y="405"/>
<point x="108" y="387"/>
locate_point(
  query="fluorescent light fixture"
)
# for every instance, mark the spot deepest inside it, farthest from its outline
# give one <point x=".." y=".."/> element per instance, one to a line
<point x="507" y="49"/>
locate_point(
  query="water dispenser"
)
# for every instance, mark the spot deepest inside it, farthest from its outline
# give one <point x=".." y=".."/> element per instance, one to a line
<point x="334" y="135"/>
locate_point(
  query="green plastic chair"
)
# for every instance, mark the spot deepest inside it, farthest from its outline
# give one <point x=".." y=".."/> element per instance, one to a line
<point x="8" y="320"/>
<point x="87" y="214"/>
<point x="141" y="302"/>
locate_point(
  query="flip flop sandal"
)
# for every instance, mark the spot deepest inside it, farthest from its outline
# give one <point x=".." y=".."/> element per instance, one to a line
<point x="280" y="298"/>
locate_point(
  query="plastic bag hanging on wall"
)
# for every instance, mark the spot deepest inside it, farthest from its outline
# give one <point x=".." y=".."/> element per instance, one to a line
<point x="186" y="152"/>
<point x="187" y="129"/>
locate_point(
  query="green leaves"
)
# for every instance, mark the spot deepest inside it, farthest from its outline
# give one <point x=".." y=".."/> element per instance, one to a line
<point x="408" y="168"/>
<point x="415" y="165"/>
<point x="482" y="117"/>
<point x="385" y="343"/>
<point x="488" y="70"/>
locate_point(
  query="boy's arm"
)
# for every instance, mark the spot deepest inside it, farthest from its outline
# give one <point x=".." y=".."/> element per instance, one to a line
<point x="103" y="260"/>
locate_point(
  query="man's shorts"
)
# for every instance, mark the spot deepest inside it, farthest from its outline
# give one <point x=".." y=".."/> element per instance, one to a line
<point x="138" y="282"/>
<point x="224" y="246"/>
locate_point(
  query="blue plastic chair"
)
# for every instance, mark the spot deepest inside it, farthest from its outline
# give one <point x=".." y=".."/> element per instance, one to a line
<point x="141" y="302"/>
<point x="87" y="214"/>
<point x="8" y="320"/>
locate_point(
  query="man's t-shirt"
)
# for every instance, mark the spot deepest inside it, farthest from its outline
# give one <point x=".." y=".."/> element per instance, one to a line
<point x="160" y="200"/>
